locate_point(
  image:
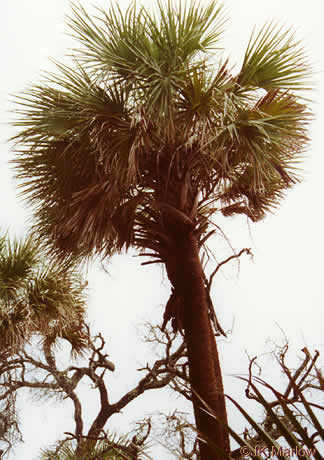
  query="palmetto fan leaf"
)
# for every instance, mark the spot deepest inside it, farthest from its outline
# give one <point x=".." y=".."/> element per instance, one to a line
<point x="17" y="259"/>
<point x="274" y="59"/>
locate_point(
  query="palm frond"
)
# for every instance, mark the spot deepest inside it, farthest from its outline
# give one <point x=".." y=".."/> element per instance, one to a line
<point x="201" y="96"/>
<point x="113" y="448"/>
<point x="17" y="260"/>
<point x="273" y="59"/>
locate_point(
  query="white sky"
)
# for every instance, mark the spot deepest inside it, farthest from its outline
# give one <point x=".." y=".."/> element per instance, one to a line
<point x="283" y="286"/>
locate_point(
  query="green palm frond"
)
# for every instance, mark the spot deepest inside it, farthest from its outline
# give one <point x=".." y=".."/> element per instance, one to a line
<point x="266" y="147"/>
<point x="53" y="294"/>
<point x="17" y="260"/>
<point x="71" y="104"/>
<point x="202" y="95"/>
<point x="108" y="44"/>
<point x="67" y="452"/>
<point x="273" y="59"/>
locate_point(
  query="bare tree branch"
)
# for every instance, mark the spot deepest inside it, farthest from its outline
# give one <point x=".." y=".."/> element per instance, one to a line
<point x="24" y="370"/>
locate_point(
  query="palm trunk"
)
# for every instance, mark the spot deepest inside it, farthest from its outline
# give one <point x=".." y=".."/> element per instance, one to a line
<point x="186" y="275"/>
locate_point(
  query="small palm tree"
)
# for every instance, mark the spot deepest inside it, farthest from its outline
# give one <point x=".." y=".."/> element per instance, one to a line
<point x="147" y="137"/>
<point x="103" y="450"/>
<point x="37" y="299"/>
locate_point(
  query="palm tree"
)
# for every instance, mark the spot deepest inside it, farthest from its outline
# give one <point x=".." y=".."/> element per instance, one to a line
<point x="146" y="137"/>
<point x="38" y="299"/>
<point x="102" y="450"/>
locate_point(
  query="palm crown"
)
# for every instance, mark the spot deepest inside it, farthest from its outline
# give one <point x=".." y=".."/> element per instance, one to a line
<point x="148" y="123"/>
<point x="38" y="299"/>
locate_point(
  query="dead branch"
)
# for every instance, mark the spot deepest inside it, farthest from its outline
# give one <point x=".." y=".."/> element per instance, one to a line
<point x="174" y="307"/>
<point x="234" y="256"/>
<point x="24" y="370"/>
<point x="298" y="381"/>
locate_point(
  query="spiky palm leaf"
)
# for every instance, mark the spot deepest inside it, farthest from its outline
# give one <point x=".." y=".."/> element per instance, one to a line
<point x="147" y="116"/>
<point x="274" y="59"/>
<point x="292" y="425"/>
<point x="283" y="424"/>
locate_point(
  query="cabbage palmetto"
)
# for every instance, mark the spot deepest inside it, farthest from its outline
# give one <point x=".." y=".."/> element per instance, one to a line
<point x="102" y="450"/>
<point x="38" y="299"/>
<point x="147" y="136"/>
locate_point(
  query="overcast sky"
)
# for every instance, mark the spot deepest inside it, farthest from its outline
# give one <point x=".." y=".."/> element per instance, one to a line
<point x="282" y="286"/>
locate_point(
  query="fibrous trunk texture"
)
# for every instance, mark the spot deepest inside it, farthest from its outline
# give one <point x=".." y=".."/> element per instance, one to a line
<point x="186" y="275"/>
